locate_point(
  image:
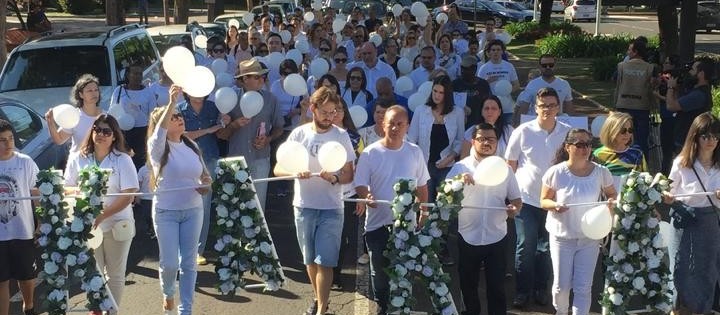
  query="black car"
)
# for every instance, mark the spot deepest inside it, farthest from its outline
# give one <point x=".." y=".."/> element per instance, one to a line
<point x="708" y="16"/>
<point x="479" y="11"/>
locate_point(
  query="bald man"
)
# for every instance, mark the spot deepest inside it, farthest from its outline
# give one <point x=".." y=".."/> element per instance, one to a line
<point x="386" y="94"/>
<point x="373" y="67"/>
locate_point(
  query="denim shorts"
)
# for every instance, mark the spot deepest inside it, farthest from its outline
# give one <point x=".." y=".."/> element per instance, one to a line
<point x="318" y="233"/>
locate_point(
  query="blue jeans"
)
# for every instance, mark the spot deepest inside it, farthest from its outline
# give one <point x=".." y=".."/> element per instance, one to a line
<point x="532" y="261"/>
<point x="641" y="125"/>
<point x="178" y="232"/>
<point x="207" y="209"/>
<point x="376" y="243"/>
<point x="319" y="232"/>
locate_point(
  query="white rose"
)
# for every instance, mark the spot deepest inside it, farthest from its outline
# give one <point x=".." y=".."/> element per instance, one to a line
<point x="246" y="221"/>
<point x="627" y="268"/>
<point x="77" y="225"/>
<point x="405" y="199"/>
<point x="397" y="301"/>
<point x="412" y="184"/>
<point x="251" y="204"/>
<point x="654" y="277"/>
<point x="64" y="243"/>
<point x="457" y="185"/>
<point x="96" y="283"/>
<point x="228" y="188"/>
<point x="400" y="270"/>
<point x="50" y="267"/>
<point x="241" y="176"/>
<point x="223" y="274"/>
<point x="610" y="290"/>
<point x="638" y="283"/>
<point x="265" y="248"/>
<point x="71" y="260"/>
<point x="441" y="290"/>
<point x="633" y="247"/>
<point x="221" y="211"/>
<point x="46" y="188"/>
<point x="54" y="199"/>
<point x="616" y="299"/>
<point x="403" y="235"/>
<point x="424" y="240"/>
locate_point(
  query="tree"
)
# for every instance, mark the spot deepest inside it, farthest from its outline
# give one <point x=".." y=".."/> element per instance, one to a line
<point x="668" y="26"/>
<point x="688" y="27"/>
<point x="114" y="12"/>
<point x="545" y="11"/>
<point x="182" y="8"/>
<point x="12" y="6"/>
<point x="3" y="29"/>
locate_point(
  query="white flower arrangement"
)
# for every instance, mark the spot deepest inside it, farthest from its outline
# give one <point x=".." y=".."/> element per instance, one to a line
<point x="413" y="254"/>
<point x="243" y="240"/>
<point x="634" y="264"/>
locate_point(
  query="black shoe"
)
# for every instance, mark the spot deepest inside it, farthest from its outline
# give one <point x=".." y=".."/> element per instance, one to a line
<point x="30" y="312"/>
<point x="541" y="297"/>
<point x="312" y="309"/>
<point x="520" y="301"/>
<point x="446" y="260"/>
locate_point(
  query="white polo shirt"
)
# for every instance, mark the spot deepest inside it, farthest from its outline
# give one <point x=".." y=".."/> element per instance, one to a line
<point x="534" y="149"/>
<point x="419" y="76"/>
<point x="561" y="86"/>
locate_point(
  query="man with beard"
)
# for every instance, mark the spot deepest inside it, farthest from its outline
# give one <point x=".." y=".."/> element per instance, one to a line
<point x="318" y="199"/>
<point x="526" y="99"/>
<point x="378" y="169"/>
<point x="477" y="89"/>
<point x="483" y="232"/>
<point x="695" y="102"/>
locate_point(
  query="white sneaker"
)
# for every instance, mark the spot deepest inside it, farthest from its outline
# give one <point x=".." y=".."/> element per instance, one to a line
<point x="364" y="259"/>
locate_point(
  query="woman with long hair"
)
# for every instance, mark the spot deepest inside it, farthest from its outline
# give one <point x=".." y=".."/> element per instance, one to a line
<point x="618" y="153"/>
<point x="325" y="49"/>
<point x="105" y="147"/>
<point x="314" y="35"/>
<point x="356" y="92"/>
<point x="696" y="257"/>
<point x="85" y="94"/>
<point x="340" y="71"/>
<point x="411" y="47"/>
<point x="491" y="112"/>
<point x="232" y="39"/>
<point x="391" y="55"/>
<point x="446" y="56"/>
<point x="573" y="179"/>
<point x="176" y="162"/>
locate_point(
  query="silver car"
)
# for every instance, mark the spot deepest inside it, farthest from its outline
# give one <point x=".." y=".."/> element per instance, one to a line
<point x="31" y="136"/>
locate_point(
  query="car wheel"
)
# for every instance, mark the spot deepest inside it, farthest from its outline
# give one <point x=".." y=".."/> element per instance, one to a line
<point x="498" y="21"/>
<point x="709" y="30"/>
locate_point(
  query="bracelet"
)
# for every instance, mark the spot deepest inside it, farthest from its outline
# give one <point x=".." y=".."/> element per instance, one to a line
<point x="337" y="179"/>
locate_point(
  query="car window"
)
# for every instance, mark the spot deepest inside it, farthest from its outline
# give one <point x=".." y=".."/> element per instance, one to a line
<point x="585" y="2"/>
<point x="54" y="67"/>
<point x="164" y="42"/>
<point x="133" y="50"/>
<point x="26" y="123"/>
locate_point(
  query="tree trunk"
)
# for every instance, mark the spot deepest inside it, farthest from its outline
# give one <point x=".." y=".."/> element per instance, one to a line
<point x="114" y="12"/>
<point x="13" y="5"/>
<point x="182" y="9"/>
<point x="219" y="7"/>
<point x="668" y="27"/>
<point x="249" y="5"/>
<point x="3" y="29"/>
<point x="545" y="11"/>
<point x="688" y="24"/>
<point x="166" y="12"/>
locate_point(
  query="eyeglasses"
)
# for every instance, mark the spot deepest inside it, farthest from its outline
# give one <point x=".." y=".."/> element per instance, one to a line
<point x="106" y="132"/>
<point x="580" y="144"/>
<point x="176" y="117"/>
<point x="263" y="51"/>
<point x="324" y="49"/>
<point x="254" y="38"/>
<point x="217" y="51"/>
<point x="546" y="106"/>
<point x="355" y="78"/>
<point x="427" y="57"/>
<point x="358" y="36"/>
<point x="328" y="114"/>
<point x="410" y="38"/>
<point x="456" y="35"/>
<point x="490" y="140"/>
<point x="709" y="136"/>
<point x="340" y="60"/>
<point x="626" y="130"/>
<point x="547" y="65"/>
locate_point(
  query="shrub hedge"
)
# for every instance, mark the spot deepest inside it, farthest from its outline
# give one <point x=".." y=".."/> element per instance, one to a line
<point x="531" y="31"/>
<point x="78" y="6"/>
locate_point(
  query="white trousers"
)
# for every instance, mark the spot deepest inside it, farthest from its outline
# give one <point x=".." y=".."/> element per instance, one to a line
<point x="573" y="263"/>
<point x="112" y="257"/>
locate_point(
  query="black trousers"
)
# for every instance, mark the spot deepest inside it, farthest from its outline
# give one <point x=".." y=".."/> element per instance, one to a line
<point x="470" y="259"/>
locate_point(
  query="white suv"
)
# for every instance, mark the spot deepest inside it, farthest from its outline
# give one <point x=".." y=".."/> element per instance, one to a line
<point x="42" y="71"/>
<point x="581" y="10"/>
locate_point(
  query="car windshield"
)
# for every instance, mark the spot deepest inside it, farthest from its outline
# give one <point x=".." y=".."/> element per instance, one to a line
<point x="164" y="42"/>
<point x="585" y="2"/>
<point x="493" y="6"/>
<point x="54" y="67"/>
<point x="514" y="6"/>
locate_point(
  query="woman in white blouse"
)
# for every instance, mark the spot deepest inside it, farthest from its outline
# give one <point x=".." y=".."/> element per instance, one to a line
<point x="105" y="148"/>
<point x="355" y="92"/>
<point x="176" y="162"/>
<point x="446" y="56"/>
<point x="696" y="257"/>
<point x="85" y="95"/>
<point x="574" y="179"/>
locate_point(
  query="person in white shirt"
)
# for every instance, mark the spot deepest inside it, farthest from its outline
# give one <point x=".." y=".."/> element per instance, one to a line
<point x="355" y="92"/>
<point x="318" y="199"/>
<point x="105" y="148"/>
<point x="574" y="179"/>
<point x="526" y="101"/>
<point x="85" y="95"/>
<point x="483" y="232"/>
<point x="527" y="154"/>
<point x="427" y="64"/>
<point x="496" y="68"/>
<point x="694" y="249"/>
<point x="373" y="67"/>
<point x="379" y="167"/>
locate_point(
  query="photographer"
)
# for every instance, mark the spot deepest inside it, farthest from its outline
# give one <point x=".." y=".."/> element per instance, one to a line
<point x="670" y="66"/>
<point x="693" y="103"/>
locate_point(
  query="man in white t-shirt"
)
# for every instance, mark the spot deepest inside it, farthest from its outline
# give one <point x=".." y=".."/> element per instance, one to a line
<point x="427" y="64"/>
<point x="483" y="231"/>
<point x="18" y="173"/>
<point x="526" y="100"/>
<point x="529" y="152"/>
<point x="318" y="199"/>
<point x="496" y="68"/>
<point x="379" y="167"/>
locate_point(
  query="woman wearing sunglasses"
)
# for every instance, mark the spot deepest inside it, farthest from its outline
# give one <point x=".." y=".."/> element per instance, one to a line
<point x="176" y="162"/>
<point x="391" y="57"/>
<point x="574" y="179"/>
<point x="105" y="147"/>
<point x="355" y="92"/>
<point x="340" y="60"/>
<point x="618" y="153"/>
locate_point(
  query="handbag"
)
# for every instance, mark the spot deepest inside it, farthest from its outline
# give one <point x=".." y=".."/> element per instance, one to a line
<point x="682" y="215"/>
<point x="123" y="230"/>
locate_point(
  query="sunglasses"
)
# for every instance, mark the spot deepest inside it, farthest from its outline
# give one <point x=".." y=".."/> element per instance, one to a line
<point x="324" y="49"/>
<point x="486" y="139"/>
<point x="547" y="106"/>
<point x="176" y="117"/>
<point x="580" y="145"/>
<point x="340" y="60"/>
<point x="411" y="38"/>
<point x="456" y="35"/>
<point x="710" y="136"/>
<point x="106" y="132"/>
<point x="626" y="130"/>
<point x="358" y="36"/>
<point x="354" y="78"/>
<point x="217" y="51"/>
<point x="263" y="52"/>
<point x="547" y="65"/>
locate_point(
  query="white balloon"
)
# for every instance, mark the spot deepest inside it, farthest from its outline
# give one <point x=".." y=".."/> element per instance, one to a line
<point x="293" y="157"/>
<point x="376" y="39"/>
<point x="397" y="9"/>
<point x="225" y="99"/>
<point x="219" y="66"/>
<point x="491" y="171"/>
<point x="421" y="20"/>
<point x="405" y="66"/>
<point x="596" y="223"/>
<point x="201" y="41"/>
<point x="441" y="18"/>
<point x="338" y="25"/>
<point x="116" y="111"/>
<point x="502" y="88"/>
<point x="295" y="55"/>
<point x="302" y="45"/>
<point x="248" y="18"/>
<point x="178" y="61"/>
<point x="597" y="125"/>
<point x="425" y="89"/>
<point x="66" y="116"/>
<point x="251" y="103"/>
<point x="275" y="59"/>
<point x="97" y="238"/>
<point x="359" y="115"/>
<point x="199" y="82"/>
<point x="403" y="85"/>
<point x="316" y="5"/>
<point x="309" y="16"/>
<point x="332" y="156"/>
<point x="234" y="22"/>
<point x="415" y="100"/>
<point x="126" y="121"/>
<point x="666" y="232"/>
<point x="418" y="9"/>
<point x="295" y="85"/>
<point x="507" y="104"/>
<point x="223" y="79"/>
<point x="285" y="36"/>
<point x="319" y="67"/>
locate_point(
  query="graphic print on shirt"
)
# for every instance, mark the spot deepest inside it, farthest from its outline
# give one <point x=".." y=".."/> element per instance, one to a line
<point x="8" y="208"/>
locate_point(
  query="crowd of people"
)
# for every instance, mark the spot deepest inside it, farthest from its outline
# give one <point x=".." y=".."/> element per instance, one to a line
<point x="177" y="139"/>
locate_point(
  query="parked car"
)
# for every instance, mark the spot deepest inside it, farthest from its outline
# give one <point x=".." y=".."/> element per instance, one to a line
<point x="166" y="36"/>
<point x="211" y="29"/>
<point x="225" y="19"/>
<point x="345" y="7"/>
<point x="276" y="10"/>
<point x="517" y="6"/>
<point x="31" y="136"/>
<point x="557" y="6"/>
<point x="41" y="72"/>
<point x="581" y="10"/>
<point x="479" y="11"/>
<point x="708" y="16"/>
<point x="288" y="5"/>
